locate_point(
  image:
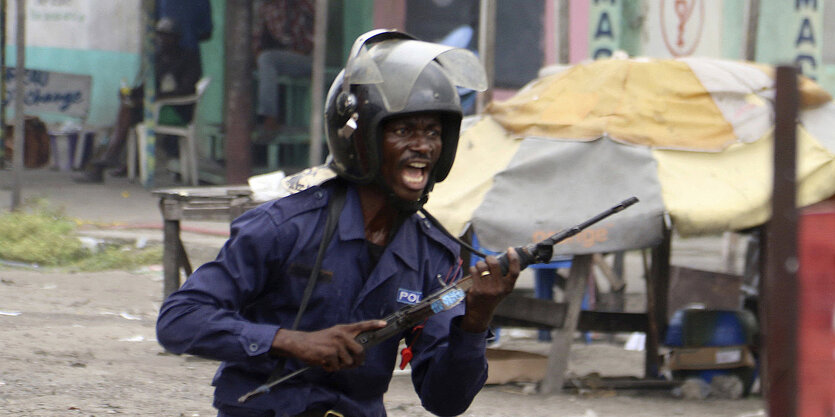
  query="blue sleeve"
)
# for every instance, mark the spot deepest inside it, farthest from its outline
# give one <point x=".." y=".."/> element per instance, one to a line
<point x="203" y="20"/>
<point x="193" y="17"/>
<point x="204" y="316"/>
<point x="449" y="366"/>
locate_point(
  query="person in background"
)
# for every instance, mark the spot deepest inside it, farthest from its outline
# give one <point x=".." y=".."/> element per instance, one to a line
<point x="390" y="142"/>
<point x="282" y="45"/>
<point x="177" y="72"/>
<point x="193" y="17"/>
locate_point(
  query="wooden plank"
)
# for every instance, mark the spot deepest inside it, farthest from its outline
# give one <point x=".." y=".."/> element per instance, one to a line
<point x="529" y="312"/>
<point x="170" y="257"/>
<point x="238" y="103"/>
<point x="612" y="322"/>
<point x="518" y="310"/>
<point x="615" y="280"/>
<point x="780" y="289"/>
<point x="614" y="383"/>
<point x="715" y="290"/>
<point x="657" y="294"/>
<point x="561" y="343"/>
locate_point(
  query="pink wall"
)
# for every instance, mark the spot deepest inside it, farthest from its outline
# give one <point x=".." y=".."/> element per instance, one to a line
<point x="578" y="35"/>
<point x="579" y="49"/>
<point x="390" y="14"/>
<point x="549" y="25"/>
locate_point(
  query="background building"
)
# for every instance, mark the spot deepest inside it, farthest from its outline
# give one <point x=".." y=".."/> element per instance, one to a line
<point x="104" y="39"/>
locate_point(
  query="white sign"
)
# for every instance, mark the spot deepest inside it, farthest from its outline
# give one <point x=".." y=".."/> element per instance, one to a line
<point x="51" y="92"/>
<point x="108" y="25"/>
<point x="683" y="28"/>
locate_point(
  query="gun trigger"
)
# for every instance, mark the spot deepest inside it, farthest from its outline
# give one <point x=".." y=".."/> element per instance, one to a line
<point x="405" y="357"/>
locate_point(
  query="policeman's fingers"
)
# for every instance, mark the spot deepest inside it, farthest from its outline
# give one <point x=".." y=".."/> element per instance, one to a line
<point x="480" y="269"/>
<point x="513" y="266"/>
<point x="364" y="326"/>
<point x="489" y="278"/>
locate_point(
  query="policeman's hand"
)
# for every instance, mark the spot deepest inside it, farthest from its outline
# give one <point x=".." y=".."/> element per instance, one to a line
<point x="333" y="348"/>
<point x="489" y="288"/>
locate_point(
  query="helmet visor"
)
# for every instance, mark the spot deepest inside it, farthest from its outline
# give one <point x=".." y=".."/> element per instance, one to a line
<point x="395" y="65"/>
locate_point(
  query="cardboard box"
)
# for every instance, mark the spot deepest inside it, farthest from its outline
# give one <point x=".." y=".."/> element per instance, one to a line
<point x="505" y="366"/>
<point x="721" y="357"/>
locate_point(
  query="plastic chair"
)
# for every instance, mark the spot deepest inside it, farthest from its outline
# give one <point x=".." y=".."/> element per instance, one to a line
<point x="186" y="134"/>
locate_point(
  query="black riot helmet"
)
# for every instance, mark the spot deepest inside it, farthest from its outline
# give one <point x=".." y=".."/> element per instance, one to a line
<point x="390" y="73"/>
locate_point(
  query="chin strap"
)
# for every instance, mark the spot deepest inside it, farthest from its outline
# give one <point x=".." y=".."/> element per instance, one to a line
<point x="446" y="232"/>
<point x="407" y="207"/>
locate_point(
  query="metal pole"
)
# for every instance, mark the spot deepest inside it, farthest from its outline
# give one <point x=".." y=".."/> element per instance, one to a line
<point x="19" y="123"/>
<point x="317" y="82"/>
<point x="486" y="49"/>
<point x="779" y="304"/>
<point x="238" y="86"/>
<point x="565" y="32"/>
<point x="3" y="137"/>
<point x="148" y="72"/>
<point x="751" y="33"/>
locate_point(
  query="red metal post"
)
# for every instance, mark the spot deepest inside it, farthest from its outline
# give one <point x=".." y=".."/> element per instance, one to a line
<point x="816" y="313"/>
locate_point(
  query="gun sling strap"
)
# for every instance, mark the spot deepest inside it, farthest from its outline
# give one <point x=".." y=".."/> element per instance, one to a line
<point x="335" y="205"/>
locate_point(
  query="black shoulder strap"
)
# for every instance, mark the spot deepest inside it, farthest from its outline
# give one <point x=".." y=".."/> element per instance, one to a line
<point x="335" y="205"/>
<point x="446" y="232"/>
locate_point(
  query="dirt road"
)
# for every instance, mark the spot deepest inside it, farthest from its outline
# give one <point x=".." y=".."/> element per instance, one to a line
<point x="83" y="345"/>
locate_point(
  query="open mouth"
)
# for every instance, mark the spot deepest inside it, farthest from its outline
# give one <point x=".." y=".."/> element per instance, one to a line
<point x="414" y="174"/>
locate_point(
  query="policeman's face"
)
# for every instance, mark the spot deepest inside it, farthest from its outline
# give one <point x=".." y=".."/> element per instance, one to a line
<point x="411" y="147"/>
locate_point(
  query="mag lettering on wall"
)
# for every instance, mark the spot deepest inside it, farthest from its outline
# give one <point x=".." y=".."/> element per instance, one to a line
<point x="807" y="55"/>
<point x="604" y="17"/>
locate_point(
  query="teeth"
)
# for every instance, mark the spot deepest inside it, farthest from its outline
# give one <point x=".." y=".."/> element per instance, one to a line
<point x="413" y="178"/>
<point x="418" y="165"/>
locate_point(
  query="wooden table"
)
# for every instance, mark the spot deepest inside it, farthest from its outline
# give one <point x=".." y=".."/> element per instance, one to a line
<point x="223" y="203"/>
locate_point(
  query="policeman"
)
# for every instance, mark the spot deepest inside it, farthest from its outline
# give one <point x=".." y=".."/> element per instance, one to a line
<point x="392" y="122"/>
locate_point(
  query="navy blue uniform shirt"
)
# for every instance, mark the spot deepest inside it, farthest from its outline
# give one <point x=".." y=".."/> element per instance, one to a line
<point x="230" y="310"/>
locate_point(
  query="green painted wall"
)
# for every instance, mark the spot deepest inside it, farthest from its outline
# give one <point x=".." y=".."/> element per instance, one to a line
<point x="344" y="24"/>
<point x="733" y="29"/>
<point x="791" y="32"/>
<point x="357" y="19"/>
<point x="212" y="53"/>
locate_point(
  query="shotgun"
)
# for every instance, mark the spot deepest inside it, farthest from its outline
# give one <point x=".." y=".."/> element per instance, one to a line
<point x="452" y="295"/>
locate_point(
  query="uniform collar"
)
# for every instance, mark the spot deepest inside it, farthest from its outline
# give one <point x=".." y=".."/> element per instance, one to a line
<point x="350" y="227"/>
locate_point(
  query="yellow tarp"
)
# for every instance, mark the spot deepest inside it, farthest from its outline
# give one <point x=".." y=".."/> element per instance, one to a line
<point x="704" y="192"/>
<point x="483" y="150"/>
<point x="656" y="103"/>
<point x="731" y="190"/>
